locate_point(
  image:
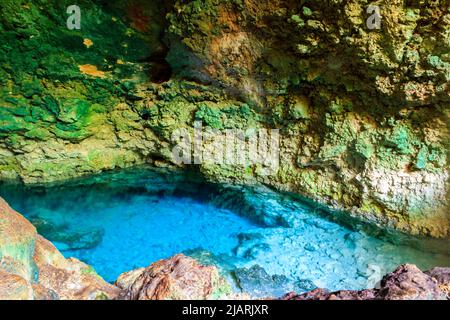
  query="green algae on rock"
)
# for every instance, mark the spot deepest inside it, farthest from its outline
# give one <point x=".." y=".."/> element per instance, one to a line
<point x="363" y="114"/>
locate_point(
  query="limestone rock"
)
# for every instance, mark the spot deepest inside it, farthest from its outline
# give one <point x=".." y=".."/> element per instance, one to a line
<point x="14" y="287"/>
<point x="364" y="113"/>
<point x="407" y="282"/>
<point x="32" y="268"/>
<point x="70" y="278"/>
<point x="442" y="276"/>
<point x="17" y="240"/>
<point x="324" y="294"/>
<point x="257" y="283"/>
<point x="176" y="278"/>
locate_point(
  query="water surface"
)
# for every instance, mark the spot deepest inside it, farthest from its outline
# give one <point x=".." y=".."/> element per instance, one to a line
<point x="120" y="221"/>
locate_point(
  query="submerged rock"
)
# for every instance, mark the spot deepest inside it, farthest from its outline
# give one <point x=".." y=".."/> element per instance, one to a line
<point x="176" y="278"/>
<point x="407" y="282"/>
<point x="257" y="283"/>
<point x="67" y="238"/>
<point x="32" y="268"/>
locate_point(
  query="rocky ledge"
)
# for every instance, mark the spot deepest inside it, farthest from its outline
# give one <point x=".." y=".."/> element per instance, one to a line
<point x="407" y="282"/>
<point x="32" y="268"/>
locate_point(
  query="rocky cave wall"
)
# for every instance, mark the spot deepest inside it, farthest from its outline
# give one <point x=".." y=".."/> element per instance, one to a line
<point x="363" y="114"/>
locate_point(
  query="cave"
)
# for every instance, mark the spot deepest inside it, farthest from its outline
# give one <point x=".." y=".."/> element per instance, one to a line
<point x="320" y="150"/>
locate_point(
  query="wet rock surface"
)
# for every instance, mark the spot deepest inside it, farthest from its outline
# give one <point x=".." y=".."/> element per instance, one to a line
<point x="257" y="283"/>
<point x="68" y="239"/>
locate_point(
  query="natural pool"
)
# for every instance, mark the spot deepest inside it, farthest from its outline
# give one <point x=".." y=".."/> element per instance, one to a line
<point x="120" y="221"/>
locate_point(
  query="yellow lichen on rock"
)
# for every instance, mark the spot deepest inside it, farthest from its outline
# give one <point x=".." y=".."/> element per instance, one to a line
<point x="88" y="42"/>
<point x="91" y="70"/>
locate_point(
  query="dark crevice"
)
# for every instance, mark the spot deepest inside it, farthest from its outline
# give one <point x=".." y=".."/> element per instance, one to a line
<point x="145" y="115"/>
<point x="160" y="72"/>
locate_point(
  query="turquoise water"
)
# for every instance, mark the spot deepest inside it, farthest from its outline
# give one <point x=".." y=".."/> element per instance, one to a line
<point x="118" y="222"/>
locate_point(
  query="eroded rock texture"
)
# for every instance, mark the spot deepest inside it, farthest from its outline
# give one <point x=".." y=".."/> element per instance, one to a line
<point x="406" y="282"/>
<point x="32" y="268"/>
<point x="360" y="110"/>
<point x="176" y="278"/>
<point x="363" y="114"/>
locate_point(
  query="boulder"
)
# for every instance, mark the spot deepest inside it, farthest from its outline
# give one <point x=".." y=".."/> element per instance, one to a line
<point x="407" y="282"/>
<point x="442" y="276"/>
<point x="14" y="287"/>
<point x="17" y="241"/>
<point x="176" y="278"/>
<point x="32" y="268"/>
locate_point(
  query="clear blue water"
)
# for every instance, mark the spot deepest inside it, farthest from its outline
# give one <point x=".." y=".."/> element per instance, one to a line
<point x="118" y="222"/>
